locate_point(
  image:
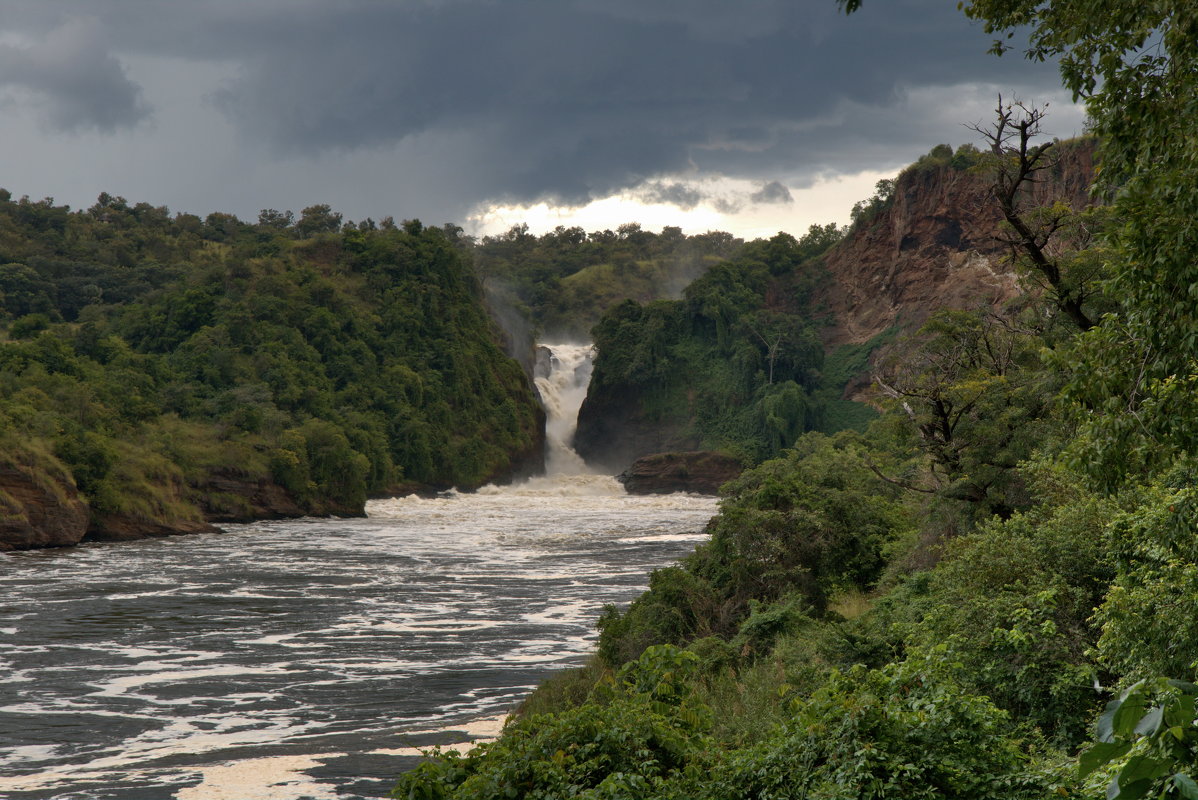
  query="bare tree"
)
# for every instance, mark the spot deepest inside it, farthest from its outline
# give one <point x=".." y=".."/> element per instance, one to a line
<point x="1035" y="231"/>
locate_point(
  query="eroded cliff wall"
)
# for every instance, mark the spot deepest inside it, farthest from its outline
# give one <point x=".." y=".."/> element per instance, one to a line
<point x="937" y="245"/>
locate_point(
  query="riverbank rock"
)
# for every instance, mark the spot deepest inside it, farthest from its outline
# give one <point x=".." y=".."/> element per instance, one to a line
<point x="39" y="507"/>
<point x="130" y="527"/>
<point x="229" y="495"/>
<point x="700" y="472"/>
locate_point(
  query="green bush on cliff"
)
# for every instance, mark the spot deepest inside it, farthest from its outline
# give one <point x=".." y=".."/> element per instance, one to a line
<point x="633" y="738"/>
<point x="909" y="730"/>
<point x="810" y="524"/>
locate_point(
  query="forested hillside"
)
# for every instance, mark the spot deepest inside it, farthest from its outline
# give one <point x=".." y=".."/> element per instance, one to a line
<point x="162" y="371"/>
<point x="733" y="366"/>
<point x="991" y="591"/>
<point x="779" y="339"/>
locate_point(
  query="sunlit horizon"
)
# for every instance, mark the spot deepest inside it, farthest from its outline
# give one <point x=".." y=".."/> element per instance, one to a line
<point x="828" y="200"/>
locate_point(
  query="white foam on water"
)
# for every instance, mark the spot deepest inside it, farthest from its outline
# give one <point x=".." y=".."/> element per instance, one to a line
<point x="274" y="778"/>
<point x="303" y="633"/>
<point x="474" y="732"/>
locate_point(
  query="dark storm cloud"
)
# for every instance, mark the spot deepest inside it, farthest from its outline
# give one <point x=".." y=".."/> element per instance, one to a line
<point x="72" y="79"/>
<point x="573" y="99"/>
<point x="772" y="192"/>
<point x="682" y="195"/>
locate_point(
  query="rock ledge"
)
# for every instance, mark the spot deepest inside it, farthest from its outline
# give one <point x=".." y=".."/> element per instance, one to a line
<point x="699" y="472"/>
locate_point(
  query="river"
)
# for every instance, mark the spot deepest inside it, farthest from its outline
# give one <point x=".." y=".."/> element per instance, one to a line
<point x="310" y="658"/>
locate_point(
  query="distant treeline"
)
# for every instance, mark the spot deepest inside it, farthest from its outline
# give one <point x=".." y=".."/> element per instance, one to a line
<point x="563" y="281"/>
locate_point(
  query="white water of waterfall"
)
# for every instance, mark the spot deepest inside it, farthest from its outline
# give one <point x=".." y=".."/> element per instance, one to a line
<point x="563" y="373"/>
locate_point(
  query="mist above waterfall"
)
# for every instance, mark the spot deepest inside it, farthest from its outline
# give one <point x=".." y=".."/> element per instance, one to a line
<point x="562" y="375"/>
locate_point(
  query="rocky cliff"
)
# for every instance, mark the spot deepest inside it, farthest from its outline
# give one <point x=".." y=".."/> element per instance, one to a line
<point x="39" y="505"/>
<point x="935" y="246"/>
<point x="614" y="430"/>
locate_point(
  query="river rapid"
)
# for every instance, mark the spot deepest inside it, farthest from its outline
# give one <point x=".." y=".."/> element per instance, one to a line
<point x="310" y="658"/>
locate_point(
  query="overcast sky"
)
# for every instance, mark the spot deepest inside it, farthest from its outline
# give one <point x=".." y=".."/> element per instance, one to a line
<point x="751" y="116"/>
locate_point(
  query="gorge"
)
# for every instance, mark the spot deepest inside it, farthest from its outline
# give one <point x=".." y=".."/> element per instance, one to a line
<point x="311" y="657"/>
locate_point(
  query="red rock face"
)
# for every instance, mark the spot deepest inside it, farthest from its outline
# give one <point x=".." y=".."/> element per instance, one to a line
<point x="39" y="510"/>
<point x="935" y="247"/>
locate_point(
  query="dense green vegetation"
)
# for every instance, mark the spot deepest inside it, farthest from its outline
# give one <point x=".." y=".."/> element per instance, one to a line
<point x="164" y="360"/>
<point x="989" y="593"/>
<point x="734" y="365"/>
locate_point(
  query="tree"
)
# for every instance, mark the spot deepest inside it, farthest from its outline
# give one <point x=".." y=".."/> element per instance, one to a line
<point x="968" y="392"/>
<point x="1017" y="166"/>
<point x="273" y="218"/>
<point x="318" y="219"/>
<point x="1136" y="66"/>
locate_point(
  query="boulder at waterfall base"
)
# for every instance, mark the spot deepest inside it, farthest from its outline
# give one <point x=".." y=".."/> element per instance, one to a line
<point x="700" y="472"/>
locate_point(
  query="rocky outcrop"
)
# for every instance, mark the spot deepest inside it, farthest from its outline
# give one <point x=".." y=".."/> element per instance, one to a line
<point x="39" y="507"/>
<point x="699" y="472"/>
<point x="228" y="495"/>
<point x="130" y="527"/>
<point x="935" y="246"/>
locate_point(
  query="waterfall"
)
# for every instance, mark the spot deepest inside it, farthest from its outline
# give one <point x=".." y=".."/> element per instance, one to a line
<point x="563" y="372"/>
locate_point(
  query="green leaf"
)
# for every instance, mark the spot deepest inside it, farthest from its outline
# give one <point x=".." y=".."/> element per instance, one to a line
<point x="1106" y="729"/>
<point x="1124" y="721"/>
<point x="1185" y="786"/>
<point x="1133" y="791"/>
<point x="1142" y="768"/>
<point x="1180" y="711"/>
<point x="1150" y="723"/>
<point x="1101" y="754"/>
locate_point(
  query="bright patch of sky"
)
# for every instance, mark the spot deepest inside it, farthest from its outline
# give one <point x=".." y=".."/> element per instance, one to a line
<point x="829" y="199"/>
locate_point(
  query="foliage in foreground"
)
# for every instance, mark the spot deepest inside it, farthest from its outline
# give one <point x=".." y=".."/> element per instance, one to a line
<point x="908" y="730"/>
<point x="1037" y="567"/>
